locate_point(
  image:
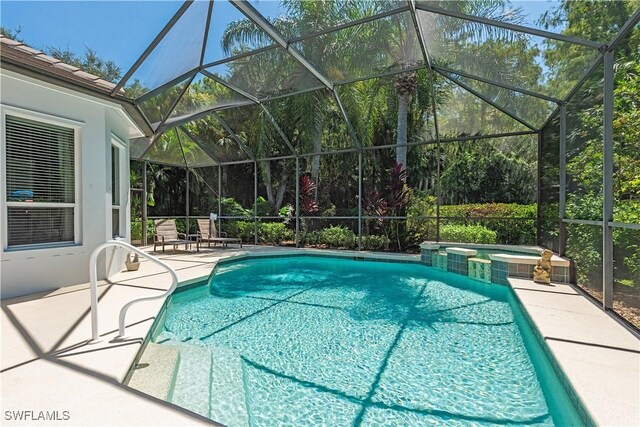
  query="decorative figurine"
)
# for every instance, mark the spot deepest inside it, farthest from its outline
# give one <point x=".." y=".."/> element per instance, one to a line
<point x="132" y="265"/>
<point x="542" y="272"/>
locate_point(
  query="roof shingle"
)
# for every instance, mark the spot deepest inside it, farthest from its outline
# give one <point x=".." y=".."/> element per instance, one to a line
<point x="18" y="53"/>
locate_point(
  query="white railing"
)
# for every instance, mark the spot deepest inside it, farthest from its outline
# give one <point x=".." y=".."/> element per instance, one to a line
<point x="94" y="285"/>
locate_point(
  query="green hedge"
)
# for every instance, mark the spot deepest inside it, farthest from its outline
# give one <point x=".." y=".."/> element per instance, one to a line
<point x="337" y="236"/>
<point x="270" y="233"/>
<point x="240" y="229"/>
<point x="375" y="243"/>
<point x="136" y="230"/>
<point x="467" y="234"/>
<point x="508" y="231"/>
<point x="493" y="216"/>
<point x="274" y="233"/>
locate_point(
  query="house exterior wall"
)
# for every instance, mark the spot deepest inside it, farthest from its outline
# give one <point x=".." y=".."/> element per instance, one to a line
<point x="26" y="271"/>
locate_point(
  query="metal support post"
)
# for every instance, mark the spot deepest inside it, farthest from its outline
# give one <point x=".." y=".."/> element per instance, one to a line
<point x="219" y="198"/>
<point x="607" y="183"/>
<point x="186" y="231"/>
<point x="144" y="204"/>
<point x="255" y="203"/>
<point x="360" y="201"/>
<point x="562" y="201"/>
<point x="297" y="202"/>
<point x="539" y="192"/>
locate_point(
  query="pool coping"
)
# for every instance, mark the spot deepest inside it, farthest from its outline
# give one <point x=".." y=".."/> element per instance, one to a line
<point x="522" y="249"/>
<point x="587" y="400"/>
<point x="558" y="314"/>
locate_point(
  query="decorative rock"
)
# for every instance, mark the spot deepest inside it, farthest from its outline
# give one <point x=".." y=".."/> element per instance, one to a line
<point x="542" y="271"/>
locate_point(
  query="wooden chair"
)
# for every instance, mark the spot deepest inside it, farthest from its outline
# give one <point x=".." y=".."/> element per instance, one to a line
<point x="207" y="232"/>
<point x="166" y="233"/>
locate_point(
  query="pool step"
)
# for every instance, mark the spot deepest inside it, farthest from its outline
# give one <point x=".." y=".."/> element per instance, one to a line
<point x="228" y="405"/>
<point x="155" y="373"/>
<point x="191" y="389"/>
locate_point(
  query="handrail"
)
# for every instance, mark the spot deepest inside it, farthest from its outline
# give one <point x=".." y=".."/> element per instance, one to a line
<point x="94" y="285"/>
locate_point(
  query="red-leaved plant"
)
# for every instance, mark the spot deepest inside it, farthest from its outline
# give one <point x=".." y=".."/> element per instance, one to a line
<point x="398" y="189"/>
<point x="308" y="203"/>
<point x="375" y="204"/>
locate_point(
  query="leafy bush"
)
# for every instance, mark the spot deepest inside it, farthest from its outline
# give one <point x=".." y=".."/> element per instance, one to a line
<point x="288" y="235"/>
<point x="337" y="237"/>
<point x="375" y="243"/>
<point x="419" y="230"/>
<point x="286" y="212"/>
<point x="584" y="246"/>
<point x="240" y="229"/>
<point x="501" y="210"/>
<point x="508" y="231"/>
<point x="494" y="216"/>
<point x="467" y="234"/>
<point x="311" y="238"/>
<point x="264" y="207"/>
<point x="136" y="230"/>
<point x="271" y="232"/>
<point x="230" y="207"/>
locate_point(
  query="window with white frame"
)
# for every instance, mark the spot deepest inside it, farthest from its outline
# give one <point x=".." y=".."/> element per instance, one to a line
<point x="40" y="182"/>
<point x="117" y="205"/>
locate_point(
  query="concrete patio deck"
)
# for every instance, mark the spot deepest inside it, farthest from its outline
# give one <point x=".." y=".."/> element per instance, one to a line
<point x="48" y="364"/>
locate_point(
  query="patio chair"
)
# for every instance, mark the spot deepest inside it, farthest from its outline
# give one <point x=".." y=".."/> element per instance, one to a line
<point x="207" y="232"/>
<point x="166" y="233"/>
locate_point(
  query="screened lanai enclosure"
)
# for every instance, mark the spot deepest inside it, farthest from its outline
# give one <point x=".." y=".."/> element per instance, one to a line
<point x="377" y="125"/>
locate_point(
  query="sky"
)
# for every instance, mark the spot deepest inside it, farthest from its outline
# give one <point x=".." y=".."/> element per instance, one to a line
<point x="121" y="30"/>
<point x="118" y="30"/>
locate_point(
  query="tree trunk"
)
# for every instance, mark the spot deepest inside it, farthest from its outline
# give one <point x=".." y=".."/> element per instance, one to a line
<point x="404" y="99"/>
<point x="265" y="168"/>
<point x="281" y="190"/>
<point x="317" y="148"/>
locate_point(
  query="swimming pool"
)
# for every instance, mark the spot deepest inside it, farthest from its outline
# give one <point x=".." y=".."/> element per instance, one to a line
<point x="327" y="341"/>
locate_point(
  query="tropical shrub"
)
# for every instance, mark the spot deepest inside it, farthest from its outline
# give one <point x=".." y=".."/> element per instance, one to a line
<point x="265" y="207"/>
<point x="240" y="229"/>
<point x="136" y="230"/>
<point x="337" y="236"/>
<point x="419" y="230"/>
<point x="508" y="231"/>
<point x="271" y="232"/>
<point x="375" y="243"/>
<point x="467" y="234"/>
<point x="308" y="203"/>
<point x="288" y="235"/>
<point x="230" y="207"/>
<point x="311" y="238"/>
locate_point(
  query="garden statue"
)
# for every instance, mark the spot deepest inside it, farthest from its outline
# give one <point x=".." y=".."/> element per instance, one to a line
<point x="542" y="272"/>
<point x="132" y="265"/>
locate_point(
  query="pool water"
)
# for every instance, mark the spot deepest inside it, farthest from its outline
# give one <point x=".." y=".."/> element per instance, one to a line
<point x="324" y="341"/>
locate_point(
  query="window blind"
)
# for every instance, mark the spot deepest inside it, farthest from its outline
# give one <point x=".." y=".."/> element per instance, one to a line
<point x="31" y="226"/>
<point x="40" y="182"/>
<point x="40" y="163"/>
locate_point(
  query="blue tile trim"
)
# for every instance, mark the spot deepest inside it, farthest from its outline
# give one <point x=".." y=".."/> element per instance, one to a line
<point x="316" y="255"/>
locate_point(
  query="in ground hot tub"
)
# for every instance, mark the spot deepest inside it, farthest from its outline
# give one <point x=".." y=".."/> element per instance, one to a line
<point x="490" y="263"/>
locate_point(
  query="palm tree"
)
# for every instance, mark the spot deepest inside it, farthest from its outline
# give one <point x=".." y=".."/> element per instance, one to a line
<point x="334" y="53"/>
<point x="405" y="42"/>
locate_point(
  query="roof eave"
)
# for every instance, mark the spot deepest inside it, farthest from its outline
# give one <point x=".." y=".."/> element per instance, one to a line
<point x="87" y="89"/>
